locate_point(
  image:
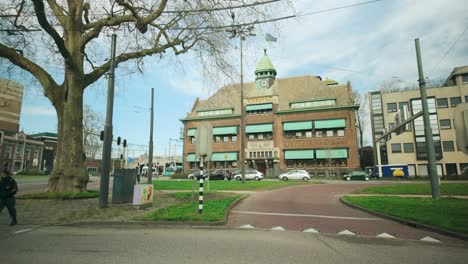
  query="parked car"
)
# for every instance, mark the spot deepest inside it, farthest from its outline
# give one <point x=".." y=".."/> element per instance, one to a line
<point x="249" y="175"/>
<point x="220" y="175"/>
<point x="295" y="175"/>
<point x="195" y="174"/>
<point x="356" y="175"/>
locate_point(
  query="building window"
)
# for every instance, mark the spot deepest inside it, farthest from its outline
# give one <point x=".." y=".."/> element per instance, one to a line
<point x="260" y="136"/>
<point x="448" y="146"/>
<point x="234" y="139"/>
<point x="298" y="135"/>
<point x="454" y="101"/>
<point x="466" y="98"/>
<point x="192" y="140"/>
<point x="403" y="106"/>
<point x="392" y="107"/>
<point x="288" y="135"/>
<point x="340" y="133"/>
<point x="318" y="134"/>
<point x="308" y="134"/>
<point x="408" y="147"/>
<point x="445" y="124"/>
<point x="289" y="163"/>
<point x="217" y="139"/>
<point x="251" y="137"/>
<point x="310" y="163"/>
<point x="329" y="133"/>
<point x="270" y="154"/>
<point x="442" y="103"/>
<point x="192" y="165"/>
<point x="251" y="155"/>
<point x="396" y="148"/>
<point x="320" y="163"/>
<point x="255" y="155"/>
<point x="226" y="139"/>
<point x="269" y="136"/>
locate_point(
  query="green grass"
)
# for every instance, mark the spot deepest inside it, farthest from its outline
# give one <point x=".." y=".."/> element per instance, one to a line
<point x="214" y="208"/>
<point x="225" y="185"/>
<point x="63" y="196"/>
<point x="447" y="213"/>
<point x="445" y="189"/>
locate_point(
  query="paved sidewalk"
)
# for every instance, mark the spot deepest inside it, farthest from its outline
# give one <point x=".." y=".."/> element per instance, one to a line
<point x="411" y="195"/>
<point x="59" y="212"/>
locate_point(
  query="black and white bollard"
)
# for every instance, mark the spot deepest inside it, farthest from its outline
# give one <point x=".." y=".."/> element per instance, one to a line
<point x="200" y="195"/>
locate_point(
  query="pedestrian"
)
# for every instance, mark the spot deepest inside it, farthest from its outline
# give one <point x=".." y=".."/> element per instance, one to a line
<point x="8" y="189"/>
<point x="138" y="174"/>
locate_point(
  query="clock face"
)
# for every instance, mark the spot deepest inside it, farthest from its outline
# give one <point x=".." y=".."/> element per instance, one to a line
<point x="264" y="83"/>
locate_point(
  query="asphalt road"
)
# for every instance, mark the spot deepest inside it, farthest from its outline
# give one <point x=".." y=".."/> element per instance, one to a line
<point x="318" y="207"/>
<point x="178" y="245"/>
<point x="28" y="185"/>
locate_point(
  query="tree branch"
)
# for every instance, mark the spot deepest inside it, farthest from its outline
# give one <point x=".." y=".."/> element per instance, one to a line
<point x="42" y="19"/>
<point x="44" y="78"/>
<point x="58" y="12"/>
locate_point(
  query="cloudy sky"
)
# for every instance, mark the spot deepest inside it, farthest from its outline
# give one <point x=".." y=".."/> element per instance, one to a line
<point x="365" y="44"/>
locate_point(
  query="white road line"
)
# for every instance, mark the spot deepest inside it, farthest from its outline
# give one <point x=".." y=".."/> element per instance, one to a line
<point x="22" y="231"/>
<point x="309" y="215"/>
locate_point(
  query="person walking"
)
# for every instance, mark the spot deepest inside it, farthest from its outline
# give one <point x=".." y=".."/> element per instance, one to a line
<point x="8" y="189"/>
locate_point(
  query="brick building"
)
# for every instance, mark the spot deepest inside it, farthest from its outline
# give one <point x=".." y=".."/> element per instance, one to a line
<point x="299" y="122"/>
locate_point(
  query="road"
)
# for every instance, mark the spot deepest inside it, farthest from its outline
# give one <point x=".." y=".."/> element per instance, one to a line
<point x="181" y="245"/>
<point x="318" y="207"/>
<point x="27" y="185"/>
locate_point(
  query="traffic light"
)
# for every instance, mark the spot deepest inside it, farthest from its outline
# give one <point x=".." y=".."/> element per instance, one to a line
<point x="124" y="143"/>
<point x="460" y="122"/>
<point x="101" y="136"/>
<point x="118" y="141"/>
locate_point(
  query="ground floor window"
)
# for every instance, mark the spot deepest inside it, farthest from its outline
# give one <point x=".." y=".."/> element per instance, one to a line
<point x="193" y="165"/>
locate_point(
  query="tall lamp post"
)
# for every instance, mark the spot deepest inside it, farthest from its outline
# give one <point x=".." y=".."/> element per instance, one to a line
<point x="241" y="32"/>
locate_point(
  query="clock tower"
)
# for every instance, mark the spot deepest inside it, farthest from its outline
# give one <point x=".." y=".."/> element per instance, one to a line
<point x="265" y="73"/>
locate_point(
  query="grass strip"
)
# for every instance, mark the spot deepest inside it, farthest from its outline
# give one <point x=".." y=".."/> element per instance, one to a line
<point x="62" y="195"/>
<point x="214" y="209"/>
<point x="225" y="185"/>
<point x="447" y="213"/>
<point x="425" y="188"/>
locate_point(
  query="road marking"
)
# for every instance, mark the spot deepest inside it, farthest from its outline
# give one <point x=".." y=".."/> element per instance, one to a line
<point x="309" y="215"/>
<point x="22" y="231"/>
<point x="385" y="235"/>
<point x="247" y="227"/>
<point x="346" y="233"/>
<point x="311" y="230"/>
<point x="430" y="239"/>
<point x="278" y="228"/>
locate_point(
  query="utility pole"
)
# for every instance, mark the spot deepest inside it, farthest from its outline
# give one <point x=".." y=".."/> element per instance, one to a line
<point x="432" y="169"/>
<point x="107" y="148"/>
<point x="150" y="155"/>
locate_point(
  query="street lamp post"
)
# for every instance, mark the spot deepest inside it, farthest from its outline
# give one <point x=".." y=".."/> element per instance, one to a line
<point x="241" y="32"/>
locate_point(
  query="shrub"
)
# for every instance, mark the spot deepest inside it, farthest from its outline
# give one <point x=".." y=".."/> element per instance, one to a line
<point x="31" y="173"/>
<point x="180" y="175"/>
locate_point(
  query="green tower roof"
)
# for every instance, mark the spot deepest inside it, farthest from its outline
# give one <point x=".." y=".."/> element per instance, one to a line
<point x="265" y="64"/>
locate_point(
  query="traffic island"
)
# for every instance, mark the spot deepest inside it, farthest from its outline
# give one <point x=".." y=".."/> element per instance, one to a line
<point x="446" y="216"/>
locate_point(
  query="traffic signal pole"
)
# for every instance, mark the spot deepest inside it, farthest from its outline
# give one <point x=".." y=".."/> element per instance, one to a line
<point x="432" y="168"/>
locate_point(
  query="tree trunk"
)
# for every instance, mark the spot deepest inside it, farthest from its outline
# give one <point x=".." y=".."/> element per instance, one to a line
<point x="69" y="173"/>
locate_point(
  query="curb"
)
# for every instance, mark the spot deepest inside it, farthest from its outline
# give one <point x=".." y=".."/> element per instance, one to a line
<point x="406" y="222"/>
<point x="160" y="223"/>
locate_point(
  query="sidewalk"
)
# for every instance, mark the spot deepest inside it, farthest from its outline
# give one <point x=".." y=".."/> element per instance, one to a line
<point x="411" y="195"/>
<point x="60" y="212"/>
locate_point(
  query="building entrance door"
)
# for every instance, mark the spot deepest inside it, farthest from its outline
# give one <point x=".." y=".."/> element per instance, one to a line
<point x="261" y="166"/>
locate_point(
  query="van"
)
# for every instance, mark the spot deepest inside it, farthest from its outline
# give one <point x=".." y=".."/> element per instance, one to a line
<point x="144" y="171"/>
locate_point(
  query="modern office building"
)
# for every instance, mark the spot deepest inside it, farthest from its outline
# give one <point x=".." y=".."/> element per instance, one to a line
<point x="410" y="147"/>
<point x="300" y="122"/>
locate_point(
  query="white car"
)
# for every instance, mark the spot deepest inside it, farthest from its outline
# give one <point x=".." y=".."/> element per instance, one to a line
<point x="249" y="175"/>
<point x="295" y="175"/>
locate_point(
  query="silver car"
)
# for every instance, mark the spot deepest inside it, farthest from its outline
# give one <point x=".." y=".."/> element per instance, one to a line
<point x="249" y="175"/>
<point x="295" y="175"/>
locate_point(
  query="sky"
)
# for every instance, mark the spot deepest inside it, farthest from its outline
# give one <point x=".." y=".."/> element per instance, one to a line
<point x="364" y="44"/>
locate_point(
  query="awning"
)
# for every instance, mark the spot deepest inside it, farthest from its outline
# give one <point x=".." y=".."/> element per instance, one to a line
<point x="224" y="156"/>
<point x="259" y="128"/>
<point x="331" y="153"/>
<point x="259" y="107"/>
<point x="294" y="126"/>
<point x="191" y="132"/>
<point x="192" y="158"/>
<point x="231" y="130"/>
<point x="299" y="154"/>
<point x="330" y="123"/>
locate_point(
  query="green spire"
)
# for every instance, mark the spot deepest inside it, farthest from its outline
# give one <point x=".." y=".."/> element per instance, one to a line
<point x="265" y="65"/>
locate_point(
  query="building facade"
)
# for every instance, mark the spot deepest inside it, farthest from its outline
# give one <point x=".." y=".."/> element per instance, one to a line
<point x="409" y="147"/>
<point x="291" y="123"/>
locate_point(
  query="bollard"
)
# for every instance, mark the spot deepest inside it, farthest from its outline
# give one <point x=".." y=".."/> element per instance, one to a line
<point x="200" y="195"/>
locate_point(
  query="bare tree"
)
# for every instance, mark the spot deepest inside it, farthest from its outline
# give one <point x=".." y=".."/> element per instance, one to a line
<point x="362" y="118"/>
<point x="389" y="86"/>
<point x="93" y="123"/>
<point x="63" y="45"/>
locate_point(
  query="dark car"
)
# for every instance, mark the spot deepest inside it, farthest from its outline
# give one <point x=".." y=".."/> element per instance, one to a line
<point x="356" y="175"/>
<point x="220" y="175"/>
